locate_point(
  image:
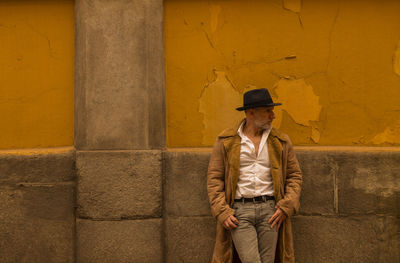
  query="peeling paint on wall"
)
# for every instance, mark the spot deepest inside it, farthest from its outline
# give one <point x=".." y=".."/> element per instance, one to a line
<point x="300" y="102"/>
<point x="315" y="134"/>
<point x="342" y="62"/>
<point x="396" y="59"/>
<point x="391" y="135"/>
<point x="217" y="101"/>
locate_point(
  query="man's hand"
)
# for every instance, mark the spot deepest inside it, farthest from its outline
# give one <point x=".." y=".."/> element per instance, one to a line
<point x="277" y="218"/>
<point x="230" y="223"/>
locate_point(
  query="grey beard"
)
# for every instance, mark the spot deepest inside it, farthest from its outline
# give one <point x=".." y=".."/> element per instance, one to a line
<point x="263" y="126"/>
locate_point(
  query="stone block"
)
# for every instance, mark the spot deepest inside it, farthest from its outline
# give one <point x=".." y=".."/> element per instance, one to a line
<point x="37" y="166"/>
<point x="319" y="171"/>
<point x="119" y="241"/>
<point x="119" y="75"/>
<point x="37" y="223"/>
<point x="369" y="182"/>
<point x="185" y="183"/>
<point x="189" y="239"/>
<point x="119" y="184"/>
<point x="346" y="239"/>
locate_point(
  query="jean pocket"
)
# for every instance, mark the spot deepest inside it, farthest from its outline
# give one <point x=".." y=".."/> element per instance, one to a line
<point x="237" y="207"/>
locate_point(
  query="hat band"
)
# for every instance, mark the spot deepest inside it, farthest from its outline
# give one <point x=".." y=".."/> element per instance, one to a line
<point x="260" y="104"/>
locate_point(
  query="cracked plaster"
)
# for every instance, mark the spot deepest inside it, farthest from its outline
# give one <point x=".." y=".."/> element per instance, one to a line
<point x="295" y="94"/>
<point x="391" y="135"/>
<point x="217" y="100"/>
<point x="344" y="58"/>
<point x="292" y="5"/>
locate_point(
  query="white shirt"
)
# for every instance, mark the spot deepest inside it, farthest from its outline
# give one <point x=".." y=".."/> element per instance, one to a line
<point x="255" y="173"/>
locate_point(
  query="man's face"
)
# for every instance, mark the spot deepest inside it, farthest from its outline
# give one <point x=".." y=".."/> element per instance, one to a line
<point x="263" y="117"/>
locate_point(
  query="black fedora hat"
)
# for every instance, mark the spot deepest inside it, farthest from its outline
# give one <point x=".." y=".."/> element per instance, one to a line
<point x="257" y="98"/>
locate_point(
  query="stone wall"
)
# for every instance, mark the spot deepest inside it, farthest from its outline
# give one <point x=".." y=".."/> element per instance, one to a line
<point x="119" y="130"/>
<point x="119" y="195"/>
<point x="189" y="226"/>
<point x="127" y="212"/>
<point x="350" y="206"/>
<point x="37" y="197"/>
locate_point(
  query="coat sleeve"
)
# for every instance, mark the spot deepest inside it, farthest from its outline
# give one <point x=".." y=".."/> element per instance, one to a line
<point x="291" y="202"/>
<point x="216" y="183"/>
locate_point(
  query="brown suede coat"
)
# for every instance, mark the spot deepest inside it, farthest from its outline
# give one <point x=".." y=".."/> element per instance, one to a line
<point x="222" y="178"/>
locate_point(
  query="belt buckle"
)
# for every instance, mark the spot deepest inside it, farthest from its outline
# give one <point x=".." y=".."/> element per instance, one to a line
<point x="263" y="198"/>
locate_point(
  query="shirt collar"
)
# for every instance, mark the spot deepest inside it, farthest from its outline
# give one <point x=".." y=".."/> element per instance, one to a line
<point x="240" y="130"/>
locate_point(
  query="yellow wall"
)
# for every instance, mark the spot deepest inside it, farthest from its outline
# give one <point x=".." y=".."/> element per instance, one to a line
<point x="36" y="73"/>
<point x="335" y="66"/>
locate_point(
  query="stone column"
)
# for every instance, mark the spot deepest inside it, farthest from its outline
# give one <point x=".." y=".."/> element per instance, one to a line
<point x="119" y="130"/>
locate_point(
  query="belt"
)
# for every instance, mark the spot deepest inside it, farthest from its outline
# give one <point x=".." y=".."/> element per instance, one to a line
<point x="262" y="198"/>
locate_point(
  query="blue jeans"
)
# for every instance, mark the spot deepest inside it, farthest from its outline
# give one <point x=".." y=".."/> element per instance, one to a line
<point x="254" y="239"/>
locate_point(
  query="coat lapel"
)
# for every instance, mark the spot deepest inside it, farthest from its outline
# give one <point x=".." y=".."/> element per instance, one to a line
<point x="231" y="141"/>
<point x="232" y="145"/>
<point x="275" y="158"/>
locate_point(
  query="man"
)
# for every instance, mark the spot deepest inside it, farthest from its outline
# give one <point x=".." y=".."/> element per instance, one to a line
<point x="254" y="184"/>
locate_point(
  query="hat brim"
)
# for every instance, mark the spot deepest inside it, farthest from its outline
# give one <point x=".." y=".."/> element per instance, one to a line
<point x="257" y="106"/>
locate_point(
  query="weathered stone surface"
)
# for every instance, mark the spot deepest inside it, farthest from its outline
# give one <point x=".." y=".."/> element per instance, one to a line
<point x="319" y="171"/>
<point x="119" y="75"/>
<point x="37" y="166"/>
<point x="185" y="183"/>
<point x="119" y="241"/>
<point x="346" y="239"/>
<point x="119" y="184"/>
<point x="363" y="182"/>
<point x="189" y="239"/>
<point x="320" y="235"/>
<point x="37" y="223"/>
<point x="369" y="182"/>
<point x="186" y="172"/>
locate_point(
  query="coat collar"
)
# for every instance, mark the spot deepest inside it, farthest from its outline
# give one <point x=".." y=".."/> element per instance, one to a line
<point x="231" y="132"/>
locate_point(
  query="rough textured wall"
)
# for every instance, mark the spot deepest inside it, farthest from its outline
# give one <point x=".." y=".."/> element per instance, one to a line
<point x="119" y="130"/>
<point x="37" y="204"/>
<point x="348" y="212"/>
<point x="36" y="73"/>
<point x="333" y="64"/>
